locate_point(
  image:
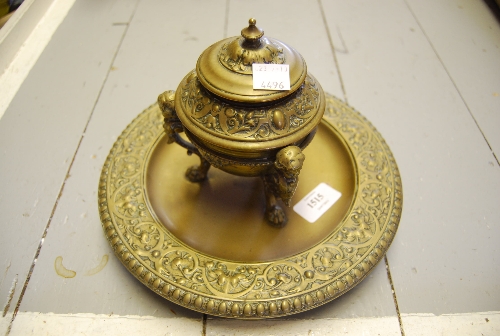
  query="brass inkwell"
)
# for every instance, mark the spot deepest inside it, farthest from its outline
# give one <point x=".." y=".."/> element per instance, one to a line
<point x="219" y="246"/>
<point x="240" y="130"/>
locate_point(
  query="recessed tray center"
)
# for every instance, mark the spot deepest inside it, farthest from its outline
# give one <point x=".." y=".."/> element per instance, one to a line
<point x="223" y="216"/>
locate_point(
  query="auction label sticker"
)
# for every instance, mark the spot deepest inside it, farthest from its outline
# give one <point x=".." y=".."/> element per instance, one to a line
<point x="317" y="202"/>
<point x="271" y="76"/>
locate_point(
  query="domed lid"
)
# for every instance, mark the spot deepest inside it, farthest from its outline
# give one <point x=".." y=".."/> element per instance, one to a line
<point x="225" y="68"/>
<point x="217" y="104"/>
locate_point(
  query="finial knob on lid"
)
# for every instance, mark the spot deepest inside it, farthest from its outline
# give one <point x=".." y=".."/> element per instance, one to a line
<point x="252" y="32"/>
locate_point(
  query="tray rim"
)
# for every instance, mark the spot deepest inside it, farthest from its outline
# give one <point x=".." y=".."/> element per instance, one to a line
<point x="163" y="269"/>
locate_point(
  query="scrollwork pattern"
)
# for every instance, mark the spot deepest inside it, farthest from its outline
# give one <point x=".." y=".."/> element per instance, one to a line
<point x="265" y="123"/>
<point x="250" y="290"/>
<point x="240" y="60"/>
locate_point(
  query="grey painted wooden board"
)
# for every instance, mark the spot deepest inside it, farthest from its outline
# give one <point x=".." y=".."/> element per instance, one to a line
<point x="40" y="131"/>
<point x="154" y="56"/>
<point x="405" y="80"/>
<point x="466" y="36"/>
<point x="444" y="258"/>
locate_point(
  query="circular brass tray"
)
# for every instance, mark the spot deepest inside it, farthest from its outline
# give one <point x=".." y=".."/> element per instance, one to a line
<point x="204" y="248"/>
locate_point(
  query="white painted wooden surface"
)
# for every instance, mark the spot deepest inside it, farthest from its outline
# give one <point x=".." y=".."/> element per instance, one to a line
<point x="108" y="325"/>
<point x="19" y="27"/>
<point x="425" y="73"/>
<point x="18" y="55"/>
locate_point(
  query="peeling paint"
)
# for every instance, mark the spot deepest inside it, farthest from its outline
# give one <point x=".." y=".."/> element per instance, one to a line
<point x="10" y="296"/>
<point x="5" y="273"/>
